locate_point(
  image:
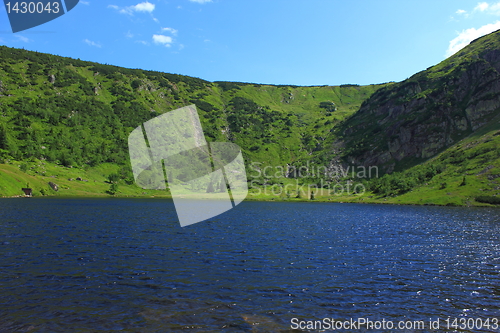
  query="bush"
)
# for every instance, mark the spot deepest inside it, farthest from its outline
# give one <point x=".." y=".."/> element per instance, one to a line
<point x="225" y="86"/>
<point x="4" y="156"/>
<point x="202" y="105"/>
<point x="328" y="106"/>
<point x="113" y="188"/>
<point x="113" y="178"/>
<point x="136" y="84"/>
<point x="488" y="199"/>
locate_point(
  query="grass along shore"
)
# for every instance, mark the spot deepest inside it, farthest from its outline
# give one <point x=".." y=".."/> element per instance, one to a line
<point x="94" y="182"/>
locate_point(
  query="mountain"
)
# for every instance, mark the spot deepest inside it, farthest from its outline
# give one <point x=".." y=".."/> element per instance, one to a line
<point x="80" y="113"/>
<point x="433" y="137"/>
<point x="410" y="121"/>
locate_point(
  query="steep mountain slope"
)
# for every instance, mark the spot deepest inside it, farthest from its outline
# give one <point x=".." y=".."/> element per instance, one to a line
<point x="411" y="121"/>
<point x="465" y="174"/>
<point x="79" y="113"/>
<point x="435" y="136"/>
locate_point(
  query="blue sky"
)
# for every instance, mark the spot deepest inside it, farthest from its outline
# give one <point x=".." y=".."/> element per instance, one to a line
<point x="311" y="42"/>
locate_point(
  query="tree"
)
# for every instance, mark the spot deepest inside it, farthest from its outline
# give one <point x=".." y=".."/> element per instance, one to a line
<point x="4" y="140"/>
<point x="113" y="188"/>
<point x="328" y="106"/>
<point x="136" y="84"/>
<point x="113" y="178"/>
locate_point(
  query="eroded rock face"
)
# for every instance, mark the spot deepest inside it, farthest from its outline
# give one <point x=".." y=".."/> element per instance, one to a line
<point x="416" y="119"/>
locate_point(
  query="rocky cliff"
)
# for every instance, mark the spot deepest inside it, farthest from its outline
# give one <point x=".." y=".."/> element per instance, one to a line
<point x="411" y="121"/>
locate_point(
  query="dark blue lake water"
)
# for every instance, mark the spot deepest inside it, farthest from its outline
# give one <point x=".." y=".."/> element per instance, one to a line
<point x="89" y="265"/>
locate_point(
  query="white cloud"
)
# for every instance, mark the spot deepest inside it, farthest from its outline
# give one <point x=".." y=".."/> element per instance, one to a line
<point x="171" y="30"/>
<point x="466" y="36"/>
<point x="85" y="2"/>
<point x="146" y="7"/>
<point x="487" y="8"/>
<point x="162" y="39"/>
<point x="482" y="6"/>
<point x="23" y="39"/>
<point x="201" y="1"/>
<point x="142" y="42"/>
<point x="91" y="43"/>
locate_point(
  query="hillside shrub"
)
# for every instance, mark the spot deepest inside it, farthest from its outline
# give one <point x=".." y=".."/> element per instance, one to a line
<point x="488" y="199"/>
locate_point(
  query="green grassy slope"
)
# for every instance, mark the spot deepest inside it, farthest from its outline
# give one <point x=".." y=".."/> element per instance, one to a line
<point x="70" y="181"/>
<point x="68" y="112"/>
<point x="466" y="174"/>
<point x="469" y="170"/>
<point x="436" y="135"/>
<point x="76" y="112"/>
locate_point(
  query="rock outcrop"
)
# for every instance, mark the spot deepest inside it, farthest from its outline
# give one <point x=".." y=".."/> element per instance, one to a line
<point x="54" y="186"/>
<point x="411" y="121"/>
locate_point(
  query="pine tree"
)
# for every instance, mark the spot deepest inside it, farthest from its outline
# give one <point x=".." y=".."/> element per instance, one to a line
<point x="113" y="188"/>
<point x="4" y="140"/>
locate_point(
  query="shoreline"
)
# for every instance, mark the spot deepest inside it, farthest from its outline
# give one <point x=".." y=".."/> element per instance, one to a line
<point x="358" y="201"/>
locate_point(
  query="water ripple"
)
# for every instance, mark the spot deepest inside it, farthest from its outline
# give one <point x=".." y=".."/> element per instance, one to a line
<point x="126" y="265"/>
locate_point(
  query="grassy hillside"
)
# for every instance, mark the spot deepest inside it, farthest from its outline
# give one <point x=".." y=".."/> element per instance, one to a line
<point x="466" y="174"/>
<point x="79" y="113"/>
<point x="70" y="181"/>
<point x="435" y="136"/>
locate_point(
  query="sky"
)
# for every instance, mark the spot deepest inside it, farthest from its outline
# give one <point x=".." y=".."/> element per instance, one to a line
<point x="307" y="42"/>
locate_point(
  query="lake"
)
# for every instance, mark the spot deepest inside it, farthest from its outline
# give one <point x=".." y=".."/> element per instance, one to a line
<point x="88" y="265"/>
